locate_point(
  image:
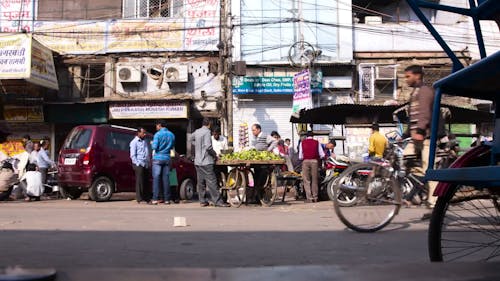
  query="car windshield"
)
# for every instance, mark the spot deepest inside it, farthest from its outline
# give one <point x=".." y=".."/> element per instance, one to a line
<point x="79" y="138"/>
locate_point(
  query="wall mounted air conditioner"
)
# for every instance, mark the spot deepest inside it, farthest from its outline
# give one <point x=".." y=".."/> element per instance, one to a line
<point x="128" y="74"/>
<point x="176" y="73"/>
<point x="386" y="72"/>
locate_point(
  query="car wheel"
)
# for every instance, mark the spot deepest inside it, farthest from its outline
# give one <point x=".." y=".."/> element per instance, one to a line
<point x="70" y="192"/>
<point x="101" y="189"/>
<point x="186" y="190"/>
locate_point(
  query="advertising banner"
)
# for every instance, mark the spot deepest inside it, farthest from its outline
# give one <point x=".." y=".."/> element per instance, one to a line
<point x="43" y="71"/>
<point x="201" y="24"/>
<point x="15" y="53"/>
<point x="77" y="37"/>
<point x="148" y="110"/>
<point x="302" y="98"/>
<point x="195" y="28"/>
<point x="281" y="85"/>
<point x="17" y="15"/>
<point x="140" y="35"/>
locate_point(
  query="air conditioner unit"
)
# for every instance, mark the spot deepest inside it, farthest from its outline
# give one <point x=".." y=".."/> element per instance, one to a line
<point x="176" y="73"/>
<point x="128" y="74"/>
<point x="387" y="72"/>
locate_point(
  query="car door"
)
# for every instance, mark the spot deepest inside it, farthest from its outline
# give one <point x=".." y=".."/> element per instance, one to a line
<point x="117" y="160"/>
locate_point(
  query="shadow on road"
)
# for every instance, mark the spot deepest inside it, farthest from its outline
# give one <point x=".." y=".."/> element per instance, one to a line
<point x="207" y="249"/>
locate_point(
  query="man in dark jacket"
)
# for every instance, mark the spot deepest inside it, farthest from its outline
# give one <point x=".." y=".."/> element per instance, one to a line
<point x="420" y="113"/>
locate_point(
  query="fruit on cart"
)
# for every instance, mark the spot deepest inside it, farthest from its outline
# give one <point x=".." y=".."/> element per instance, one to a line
<point x="250" y="155"/>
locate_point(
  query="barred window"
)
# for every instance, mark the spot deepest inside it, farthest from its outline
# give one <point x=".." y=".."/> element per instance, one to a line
<point x="147" y="8"/>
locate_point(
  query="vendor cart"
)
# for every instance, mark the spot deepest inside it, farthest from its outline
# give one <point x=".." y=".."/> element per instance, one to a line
<point x="239" y="184"/>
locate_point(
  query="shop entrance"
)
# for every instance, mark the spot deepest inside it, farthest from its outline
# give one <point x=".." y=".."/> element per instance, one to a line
<point x="176" y="126"/>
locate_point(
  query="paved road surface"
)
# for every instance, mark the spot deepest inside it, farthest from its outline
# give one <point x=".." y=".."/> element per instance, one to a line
<point x="123" y="234"/>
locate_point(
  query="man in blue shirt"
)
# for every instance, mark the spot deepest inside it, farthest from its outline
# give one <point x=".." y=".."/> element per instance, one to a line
<point x="43" y="160"/>
<point x="163" y="142"/>
<point x="140" y="156"/>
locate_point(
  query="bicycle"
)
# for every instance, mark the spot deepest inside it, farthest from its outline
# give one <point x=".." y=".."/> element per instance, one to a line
<point x="377" y="189"/>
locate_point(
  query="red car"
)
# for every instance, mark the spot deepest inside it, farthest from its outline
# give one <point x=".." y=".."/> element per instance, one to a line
<point x="96" y="158"/>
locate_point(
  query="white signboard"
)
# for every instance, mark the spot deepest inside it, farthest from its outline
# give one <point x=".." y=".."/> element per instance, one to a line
<point x="148" y="110"/>
<point x="17" y="15"/>
<point x="15" y="54"/>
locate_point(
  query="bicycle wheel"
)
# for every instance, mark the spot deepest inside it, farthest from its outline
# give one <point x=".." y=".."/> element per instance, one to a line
<point x="236" y="185"/>
<point x="465" y="225"/>
<point x="221" y="180"/>
<point x="269" y="191"/>
<point x="378" y="197"/>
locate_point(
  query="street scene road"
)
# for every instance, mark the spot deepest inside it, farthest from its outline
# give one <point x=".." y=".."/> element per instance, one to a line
<point x="122" y="233"/>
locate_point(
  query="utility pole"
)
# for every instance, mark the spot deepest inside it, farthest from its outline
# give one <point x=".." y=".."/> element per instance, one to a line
<point x="225" y="47"/>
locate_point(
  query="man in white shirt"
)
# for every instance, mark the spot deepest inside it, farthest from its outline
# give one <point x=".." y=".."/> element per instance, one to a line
<point x="219" y="142"/>
<point x="34" y="154"/>
<point x="34" y="185"/>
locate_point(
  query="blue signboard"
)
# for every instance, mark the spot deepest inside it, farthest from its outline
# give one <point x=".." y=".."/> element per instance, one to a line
<point x="281" y="85"/>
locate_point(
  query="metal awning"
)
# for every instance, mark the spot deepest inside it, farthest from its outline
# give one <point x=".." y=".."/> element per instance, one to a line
<point x="340" y="114"/>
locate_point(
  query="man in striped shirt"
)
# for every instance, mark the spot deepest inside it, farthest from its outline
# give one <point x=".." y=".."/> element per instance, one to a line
<point x="261" y="140"/>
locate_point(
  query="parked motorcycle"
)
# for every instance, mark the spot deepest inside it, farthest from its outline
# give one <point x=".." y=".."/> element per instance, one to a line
<point x="333" y="167"/>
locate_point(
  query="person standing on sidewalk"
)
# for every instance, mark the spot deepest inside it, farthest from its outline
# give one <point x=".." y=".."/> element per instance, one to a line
<point x="43" y="160"/>
<point x="310" y="151"/>
<point x="163" y="142"/>
<point x="204" y="160"/>
<point x="140" y="156"/>
<point x="28" y="144"/>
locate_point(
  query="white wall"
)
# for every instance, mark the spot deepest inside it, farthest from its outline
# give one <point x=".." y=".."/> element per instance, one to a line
<point x="413" y="36"/>
<point x="257" y="42"/>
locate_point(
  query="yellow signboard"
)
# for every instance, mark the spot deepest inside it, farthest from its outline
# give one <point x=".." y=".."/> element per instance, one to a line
<point x="72" y="37"/>
<point x="14" y="113"/>
<point x="133" y="35"/>
<point x="43" y="71"/>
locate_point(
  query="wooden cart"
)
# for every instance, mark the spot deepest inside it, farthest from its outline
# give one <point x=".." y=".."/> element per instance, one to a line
<point x="239" y="184"/>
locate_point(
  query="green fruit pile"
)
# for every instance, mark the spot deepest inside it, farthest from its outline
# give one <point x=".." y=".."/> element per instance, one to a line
<point x="250" y="155"/>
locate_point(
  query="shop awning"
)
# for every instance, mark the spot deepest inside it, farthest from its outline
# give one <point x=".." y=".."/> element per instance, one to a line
<point x="367" y="114"/>
<point x="77" y="113"/>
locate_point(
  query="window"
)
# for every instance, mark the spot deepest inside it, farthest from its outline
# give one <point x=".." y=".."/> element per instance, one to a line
<point x="133" y="9"/>
<point x="377" y="82"/>
<point x="118" y="141"/>
<point x="78" y="139"/>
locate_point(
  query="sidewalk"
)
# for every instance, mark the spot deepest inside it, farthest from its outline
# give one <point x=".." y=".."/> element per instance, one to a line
<point x="399" y="272"/>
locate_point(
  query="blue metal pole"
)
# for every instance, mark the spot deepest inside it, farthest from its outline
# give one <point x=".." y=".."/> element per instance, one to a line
<point x="436" y="108"/>
<point x="477" y="27"/>
<point x="451" y="9"/>
<point x="457" y="65"/>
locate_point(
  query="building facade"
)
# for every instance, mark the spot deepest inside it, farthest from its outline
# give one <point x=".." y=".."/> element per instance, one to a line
<point x="126" y="62"/>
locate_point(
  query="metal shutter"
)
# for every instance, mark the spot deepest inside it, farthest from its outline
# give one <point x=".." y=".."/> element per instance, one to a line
<point x="271" y="112"/>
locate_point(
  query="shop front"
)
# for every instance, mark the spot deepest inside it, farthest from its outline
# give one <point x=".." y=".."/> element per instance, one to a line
<point x="265" y="100"/>
<point x="28" y="74"/>
<point x="65" y="116"/>
<point x="20" y="120"/>
<point x="137" y="114"/>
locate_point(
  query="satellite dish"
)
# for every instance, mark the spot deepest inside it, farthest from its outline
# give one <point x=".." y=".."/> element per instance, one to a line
<point x="124" y="73"/>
